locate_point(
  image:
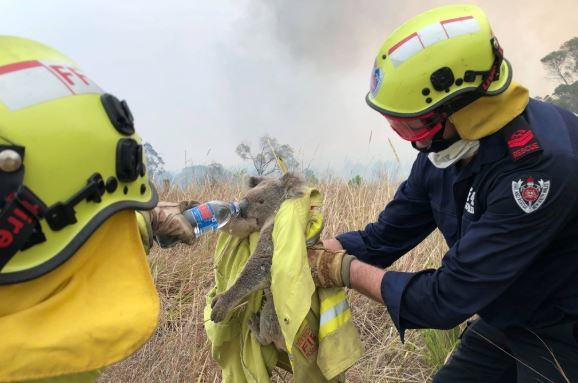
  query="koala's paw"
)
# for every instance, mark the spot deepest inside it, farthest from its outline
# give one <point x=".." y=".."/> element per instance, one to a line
<point x="220" y="308"/>
<point x="254" y="323"/>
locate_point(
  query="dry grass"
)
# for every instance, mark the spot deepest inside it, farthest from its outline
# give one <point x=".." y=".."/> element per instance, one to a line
<point x="179" y="351"/>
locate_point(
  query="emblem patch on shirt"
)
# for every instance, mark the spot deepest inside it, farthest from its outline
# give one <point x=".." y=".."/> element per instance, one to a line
<point x="530" y="194"/>
<point x="470" y="201"/>
<point x="307" y="343"/>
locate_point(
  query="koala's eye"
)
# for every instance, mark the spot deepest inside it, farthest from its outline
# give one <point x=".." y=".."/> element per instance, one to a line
<point x="261" y="201"/>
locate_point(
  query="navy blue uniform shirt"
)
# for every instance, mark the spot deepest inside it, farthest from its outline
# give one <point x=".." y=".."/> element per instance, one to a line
<point x="511" y="227"/>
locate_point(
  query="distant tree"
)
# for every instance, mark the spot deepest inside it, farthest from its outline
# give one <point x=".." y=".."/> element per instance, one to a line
<point x="310" y="177"/>
<point x="213" y="173"/>
<point x="565" y="96"/>
<point x="557" y="65"/>
<point x="263" y="158"/>
<point x="216" y="173"/>
<point x="563" y="67"/>
<point x="216" y="169"/>
<point x="355" y="181"/>
<point x="155" y="163"/>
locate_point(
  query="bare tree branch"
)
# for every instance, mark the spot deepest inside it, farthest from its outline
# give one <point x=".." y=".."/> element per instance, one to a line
<point x="265" y="159"/>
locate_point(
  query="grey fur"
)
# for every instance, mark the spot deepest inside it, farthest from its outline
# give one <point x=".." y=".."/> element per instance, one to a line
<point x="264" y="198"/>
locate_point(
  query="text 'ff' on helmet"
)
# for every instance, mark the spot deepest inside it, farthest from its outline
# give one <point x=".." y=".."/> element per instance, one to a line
<point x="69" y="159"/>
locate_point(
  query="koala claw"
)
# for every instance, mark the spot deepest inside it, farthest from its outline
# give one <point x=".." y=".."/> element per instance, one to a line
<point x="254" y="323"/>
<point x="219" y="309"/>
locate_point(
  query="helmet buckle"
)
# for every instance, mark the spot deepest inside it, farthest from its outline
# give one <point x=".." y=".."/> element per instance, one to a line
<point x="62" y="214"/>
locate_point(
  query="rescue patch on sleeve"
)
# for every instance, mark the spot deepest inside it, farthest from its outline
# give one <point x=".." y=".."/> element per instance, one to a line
<point x="520" y="138"/>
<point x="530" y="194"/>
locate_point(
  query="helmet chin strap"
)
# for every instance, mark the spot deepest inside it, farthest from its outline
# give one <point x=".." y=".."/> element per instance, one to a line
<point x="438" y="143"/>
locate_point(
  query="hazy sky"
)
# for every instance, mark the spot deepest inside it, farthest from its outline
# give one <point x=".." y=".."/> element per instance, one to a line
<point x="204" y="76"/>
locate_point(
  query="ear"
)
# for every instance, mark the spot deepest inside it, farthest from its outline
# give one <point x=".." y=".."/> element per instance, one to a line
<point x="253" y="181"/>
<point x="293" y="185"/>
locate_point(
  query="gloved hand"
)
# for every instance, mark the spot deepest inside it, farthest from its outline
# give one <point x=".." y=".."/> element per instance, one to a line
<point x="329" y="268"/>
<point x="166" y="220"/>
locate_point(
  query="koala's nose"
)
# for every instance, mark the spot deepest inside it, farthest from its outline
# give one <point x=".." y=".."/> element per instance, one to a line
<point x="243" y="206"/>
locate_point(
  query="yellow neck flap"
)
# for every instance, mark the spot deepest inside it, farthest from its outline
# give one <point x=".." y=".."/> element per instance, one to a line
<point x="487" y="115"/>
<point x="96" y="309"/>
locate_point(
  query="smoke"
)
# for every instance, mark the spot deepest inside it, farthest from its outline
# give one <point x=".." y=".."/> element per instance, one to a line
<point x="302" y="68"/>
<point x="211" y="75"/>
<point x="529" y="31"/>
<point x="340" y="36"/>
<point x="333" y="36"/>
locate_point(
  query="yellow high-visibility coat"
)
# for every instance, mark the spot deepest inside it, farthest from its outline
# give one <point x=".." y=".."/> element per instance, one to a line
<point x="316" y="324"/>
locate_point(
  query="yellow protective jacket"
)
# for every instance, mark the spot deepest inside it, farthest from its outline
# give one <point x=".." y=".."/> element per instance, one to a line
<point x="316" y="324"/>
<point x="96" y="309"/>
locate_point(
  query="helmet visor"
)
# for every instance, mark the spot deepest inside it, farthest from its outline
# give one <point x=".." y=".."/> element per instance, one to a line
<point x="417" y="128"/>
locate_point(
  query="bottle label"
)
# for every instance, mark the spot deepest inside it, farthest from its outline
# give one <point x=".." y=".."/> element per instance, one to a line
<point x="205" y="217"/>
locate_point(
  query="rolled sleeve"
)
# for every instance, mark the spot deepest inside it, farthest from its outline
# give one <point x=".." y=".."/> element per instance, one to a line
<point x="393" y="285"/>
<point x="353" y="243"/>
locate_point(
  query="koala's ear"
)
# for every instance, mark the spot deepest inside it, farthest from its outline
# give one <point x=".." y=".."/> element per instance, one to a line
<point x="293" y="185"/>
<point x="253" y="181"/>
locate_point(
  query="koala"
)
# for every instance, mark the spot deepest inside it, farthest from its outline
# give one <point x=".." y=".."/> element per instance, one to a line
<point x="258" y="209"/>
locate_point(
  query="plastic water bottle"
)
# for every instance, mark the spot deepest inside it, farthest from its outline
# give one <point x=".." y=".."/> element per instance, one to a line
<point x="207" y="217"/>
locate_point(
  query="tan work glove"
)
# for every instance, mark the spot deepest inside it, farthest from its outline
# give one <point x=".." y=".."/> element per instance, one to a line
<point x="166" y="220"/>
<point x="329" y="268"/>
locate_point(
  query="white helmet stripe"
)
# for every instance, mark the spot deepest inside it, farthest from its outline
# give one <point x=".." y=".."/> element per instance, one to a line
<point x="431" y="34"/>
<point x="405" y="49"/>
<point x="29" y="83"/>
<point x="460" y="26"/>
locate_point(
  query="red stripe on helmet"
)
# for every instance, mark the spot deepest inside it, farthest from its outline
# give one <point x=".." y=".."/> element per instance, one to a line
<point x="456" y="19"/>
<point x="19" y="66"/>
<point x="399" y="44"/>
